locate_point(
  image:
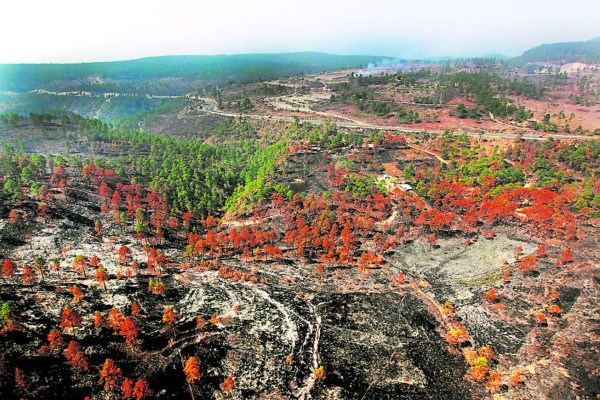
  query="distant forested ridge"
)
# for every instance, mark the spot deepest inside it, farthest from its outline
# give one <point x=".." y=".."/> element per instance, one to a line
<point x="588" y="51"/>
<point x="178" y="73"/>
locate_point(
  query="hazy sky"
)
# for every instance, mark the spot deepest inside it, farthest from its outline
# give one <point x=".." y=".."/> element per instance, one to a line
<point x="85" y="30"/>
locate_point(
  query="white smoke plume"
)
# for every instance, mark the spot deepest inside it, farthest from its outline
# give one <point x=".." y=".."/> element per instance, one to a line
<point x="387" y="65"/>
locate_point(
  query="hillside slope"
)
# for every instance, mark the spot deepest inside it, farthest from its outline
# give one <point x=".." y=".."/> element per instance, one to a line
<point x="588" y="51"/>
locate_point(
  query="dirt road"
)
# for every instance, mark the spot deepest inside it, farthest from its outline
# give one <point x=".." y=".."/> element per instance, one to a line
<point x="402" y="129"/>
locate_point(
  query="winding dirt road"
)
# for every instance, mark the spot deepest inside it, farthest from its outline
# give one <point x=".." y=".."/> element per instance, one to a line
<point x="354" y="124"/>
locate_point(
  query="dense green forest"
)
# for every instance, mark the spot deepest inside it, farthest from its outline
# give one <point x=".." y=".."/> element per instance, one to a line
<point x="588" y="51"/>
<point x="115" y="109"/>
<point x="191" y="175"/>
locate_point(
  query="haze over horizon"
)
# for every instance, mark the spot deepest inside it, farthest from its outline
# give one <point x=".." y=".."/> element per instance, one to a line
<point x="65" y="31"/>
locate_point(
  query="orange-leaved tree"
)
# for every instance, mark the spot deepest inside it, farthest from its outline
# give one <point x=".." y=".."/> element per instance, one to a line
<point x="69" y="318"/>
<point x="566" y="256"/>
<point x="29" y="277"/>
<point x="541" y="251"/>
<point x="135" y="309"/>
<point x="76" y="292"/>
<point x="102" y="275"/>
<point x="479" y="369"/>
<point x="494" y="382"/>
<point x="169" y="318"/>
<point x="80" y="263"/>
<point x="115" y="318"/>
<point x="228" y="385"/>
<point x="141" y="390"/>
<point x="528" y="264"/>
<point x="98" y="319"/>
<point x="192" y="370"/>
<point x="491" y="295"/>
<point x="127" y="386"/>
<point x="75" y="357"/>
<point x="110" y="375"/>
<point x="8" y="268"/>
<point x="124" y="254"/>
<point x="55" y="340"/>
<point x="129" y="331"/>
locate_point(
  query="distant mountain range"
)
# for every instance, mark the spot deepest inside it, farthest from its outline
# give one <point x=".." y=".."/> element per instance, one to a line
<point x="588" y="51"/>
<point x="184" y="73"/>
<point x="177" y="71"/>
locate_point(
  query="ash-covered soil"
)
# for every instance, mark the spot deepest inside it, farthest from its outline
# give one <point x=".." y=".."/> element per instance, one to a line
<point x="271" y="336"/>
<point x="385" y="346"/>
<point x="558" y="358"/>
